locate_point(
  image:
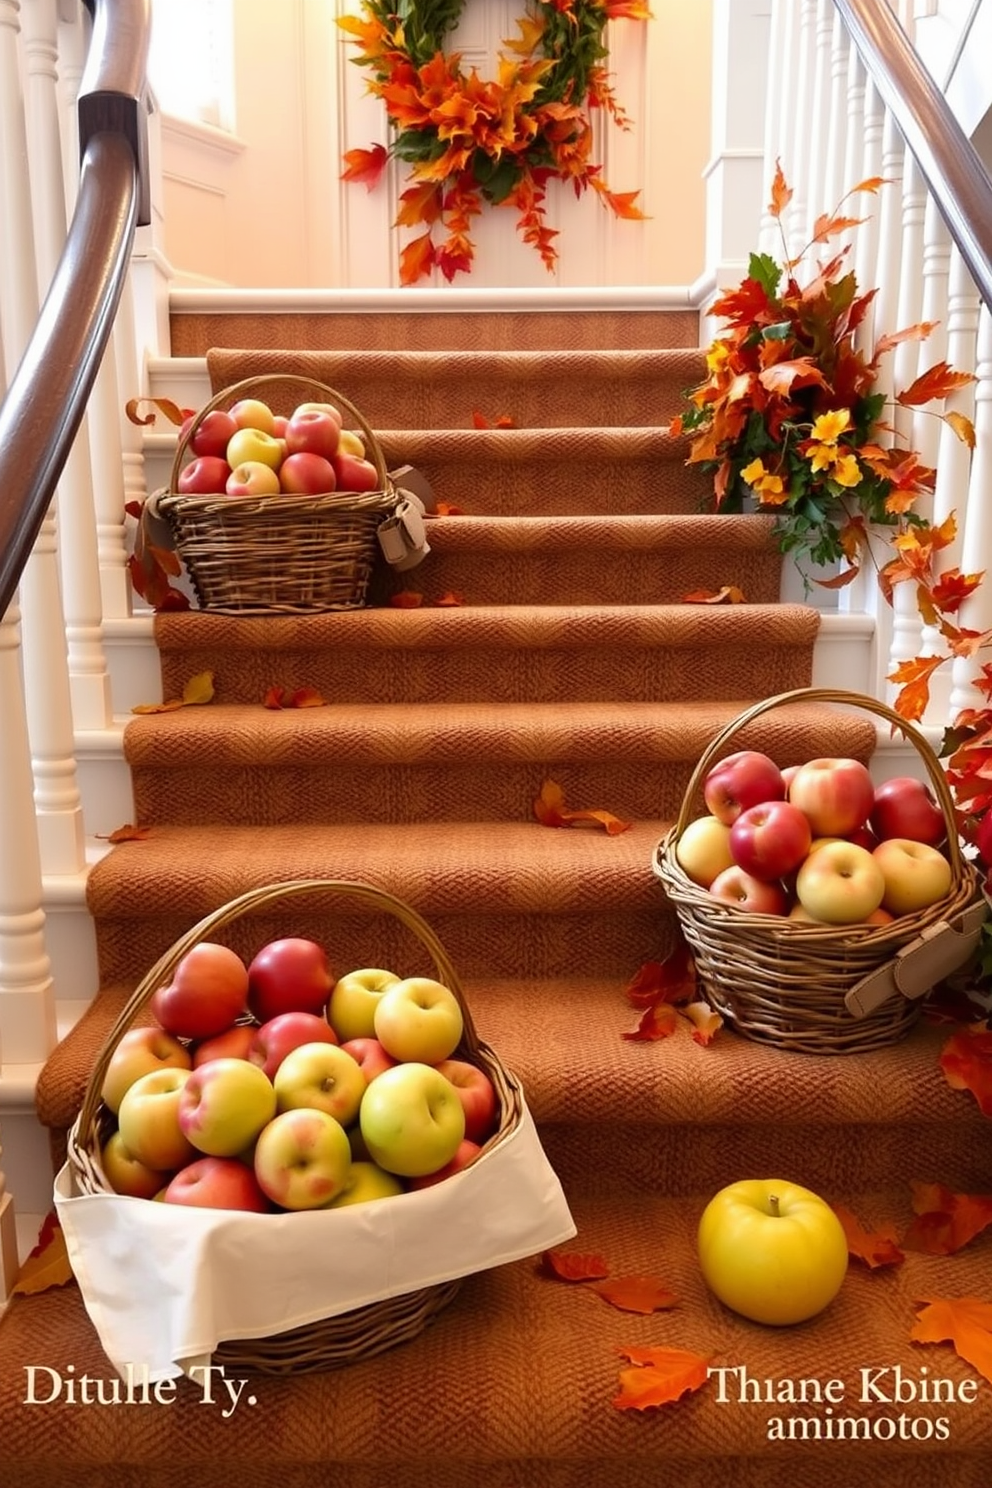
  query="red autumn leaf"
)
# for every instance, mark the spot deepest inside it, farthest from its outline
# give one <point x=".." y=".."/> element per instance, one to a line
<point x="550" y="810"/>
<point x="479" y="421"/>
<point x="953" y="588"/>
<point x="729" y="594"/>
<point x="966" y="1322"/>
<point x="636" y="1293"/>
<point x="172" y="411"/>
<point x="274" y="698"/>
<point x="365" y="165"/>
<point x="658" y="1376"/>
<point x="445" y="509"/>
<point x="945" y="1221"/>
<point x="407" y="599"/>
<point x="840" y="580"/>
<point x="449" y="600"/>
<point x="781" y="192"/>
<point x="47" y="1264"/>
<point x="307" y="697"/>
<point x="874" y="1247"/>
<point x="126" y="833"/>
<point x="658" y="1021"/>
<point x="568" y="1265"/>
<point x="672" y="980"/>
<point x="966" y="1060"/>
<point x="936" y="382"/>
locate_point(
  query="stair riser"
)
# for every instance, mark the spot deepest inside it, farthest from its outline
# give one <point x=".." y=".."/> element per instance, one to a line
<point x="591" y="577"/>
<point x="611" y="945"/>
<point x="594" y="1160"/>
<point x="384" y="675"/>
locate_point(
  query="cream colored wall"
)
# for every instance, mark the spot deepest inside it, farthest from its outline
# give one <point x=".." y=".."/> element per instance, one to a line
<point x="264" y="209"/>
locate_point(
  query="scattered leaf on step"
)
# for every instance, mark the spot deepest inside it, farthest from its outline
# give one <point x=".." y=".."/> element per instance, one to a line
<point x="569" y="1265"/>
<point x="479" y="421"/>
<point x="307" y="697"/>
<point x="657" y="1022"/>
<point x="966" y="1322"/>
<point x="445" y="509"/>
<point x="706" y="1023"/>
<point x="729" y="594"/>
<point x="671" y="980"/>
<point x="126" y="833"/>
<point x="550" y="810"/>
<point x="945" y="1221"/>
<point x="658" y="1376"/>
<point x="635" y="1293"/>
<point x="169" y="706"/>
<point x="172" y="411"/>
<point x="48" y="1263"/>
<point x="450" y="600"/>
<point x="966" y="1060"/>
<point x="274" y="698"/>
<point x="407" y="599"/>
<point x="875" y="1247"/>
<point x="197" y="691"/>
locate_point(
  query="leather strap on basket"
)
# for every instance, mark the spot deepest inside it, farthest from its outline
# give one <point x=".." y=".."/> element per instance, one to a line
<point x="937" y="951"/>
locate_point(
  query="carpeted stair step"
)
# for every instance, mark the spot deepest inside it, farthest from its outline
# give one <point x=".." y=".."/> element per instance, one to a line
<point x="688" y="1119"/>
<point x="593" y="560"/>
<point x="513" y="1385"/>
<point x="237" y="762"/>
<point x="554" y="472"/>
<point x="504" y="654"/>
<point x="297" y="323"/>
<point x="446" y="389"/>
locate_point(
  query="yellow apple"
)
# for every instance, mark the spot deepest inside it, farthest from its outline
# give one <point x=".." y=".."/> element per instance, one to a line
<point x="916" y="875"/>
<point x="772" y="1251"/>
<point x="350" y="443"/>
<point x="140" y="1051"/>
<point x="125" y="1174"/>
<point x="703" y="850"/>
<point x="366" y="1181"/>
<point x="840" y="883"/>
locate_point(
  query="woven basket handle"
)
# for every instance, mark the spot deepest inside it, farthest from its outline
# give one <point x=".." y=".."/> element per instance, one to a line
<point x="238" y="390"/>
<point x="829" y="695"/>
<point x="161" y="972"/>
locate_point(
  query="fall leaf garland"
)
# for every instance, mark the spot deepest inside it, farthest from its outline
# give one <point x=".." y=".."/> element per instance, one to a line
<point x="468" y="140"/>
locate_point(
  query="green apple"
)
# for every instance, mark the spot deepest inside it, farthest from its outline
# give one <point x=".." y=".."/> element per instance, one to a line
<point x="148" y="1120"/>
<point x="412" y="1120"/>
<point x="224" y="1105"/>
<point x="419" y="1019"/>
<point x="321" y="1077"/>
<point x="367" y="1181"/>
<point x="140" y="1051"/>
<point x="302" y="1159"/>
<point x="354" y="999"/>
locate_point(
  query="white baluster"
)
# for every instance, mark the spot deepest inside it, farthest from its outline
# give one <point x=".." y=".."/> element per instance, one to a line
<point x="976" y="611"/>
<point x="779" y="58"/>
<point x="802" y="127"/>
<point x="27" y="999"/>
<point x="8" y="1241"/>
<point x="73" y="42"/>
<point x="815" y="164"/>
<point x="49" y="711"/>
<point x="868" y="232"/>
<point x="89" y="681"/>
<point x="839" y="126"/>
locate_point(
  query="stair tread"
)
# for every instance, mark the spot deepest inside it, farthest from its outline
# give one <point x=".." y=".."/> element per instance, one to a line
<point x="622" y="533"/>
<point x="513" y="1323"/>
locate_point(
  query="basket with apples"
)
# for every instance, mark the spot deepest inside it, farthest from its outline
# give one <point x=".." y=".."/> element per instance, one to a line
<point x="820" y="908"/>
<point x="278" y="509"/>
<point x="313" y="1161"/>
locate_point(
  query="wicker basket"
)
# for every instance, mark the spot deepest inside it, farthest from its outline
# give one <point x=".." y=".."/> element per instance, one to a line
<point x="279" y="554"/>
<point x="365" y="1331"/>
<point x="821" y="989"/>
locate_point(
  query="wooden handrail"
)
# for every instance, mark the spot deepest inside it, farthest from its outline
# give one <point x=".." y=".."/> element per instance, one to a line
<point x="949" y="163"/>
<point x="49" y="390"/>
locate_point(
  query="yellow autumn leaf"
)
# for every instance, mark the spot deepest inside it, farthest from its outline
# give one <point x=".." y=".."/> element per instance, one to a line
<point x="199" y="689"/>
<point x="47" y="1265"/>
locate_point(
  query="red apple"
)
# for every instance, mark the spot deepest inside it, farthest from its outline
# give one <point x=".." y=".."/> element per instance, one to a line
<point x="770" y="840"/>
<point x="466" y="1152"/>
<point x="355" y="474"/>
<point x="863" y="837"/>
<point x="745" y="779"/>
<point x="477" y="1094"/>
<point x="205" y="476"/>
<point x="835" y="795"/>
<point x="307" y="474"/>
<point x="279" y="422"/>
<point x="206" y="995"/>
<point x="369" y="1054"/>
<point x="234" y="1043"/>
<point x="905" y="807"/>
<point x="286" y="1031"/>
<point x="213" y="433"/>
<point x="313" y="431"/>
<point x="289" y="976"/>
<point x="217" y="1183"/>
<point x="983" y="839"/>
<point x="734" y="886"/>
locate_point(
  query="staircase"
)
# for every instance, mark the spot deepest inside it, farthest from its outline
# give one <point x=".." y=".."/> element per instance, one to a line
<point x="572" y="657"/>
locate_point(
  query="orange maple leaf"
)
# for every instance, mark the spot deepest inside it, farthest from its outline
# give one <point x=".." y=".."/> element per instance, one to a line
<point x="799" y="372"/>
<point x="729" y="594"/>
<point x="875" y="1247"/>
<point x="945" y="1221"/>
<point x="918" y="332"/>
<point x="550" y="810"/>
<point x="936" y="382"/>
<point x="47" y="1264"/>
<point x="636" y="1293"/>
<point x="274" y="698"/>
<point x="569" y="1265"/>
<point x="966" y="1322"/>
<point x="913" y="679"/>
<point x="659" y="1021"/>
<point x="781" y="192"/>
<point x="365" y="165"/>
<point x="417" y="259"/>
<point x="126" y="833"/>
<point x="479" y="421"/>
<point x="658" y="1376"/>
<point x="449" y="600"/>
<point x="307" y="697"/>
<point x="966" y="1060"/>
<point x="445" y="509"/>
<point x="826" y="226"/>
<point x="672" y="980"/>
<point x="953" y="588"/>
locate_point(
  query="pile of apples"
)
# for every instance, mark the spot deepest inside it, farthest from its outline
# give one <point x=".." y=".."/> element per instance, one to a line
<point x="248" y="450"/>
<point x="274" y="1087"/>
<point x="817" y="842"/>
